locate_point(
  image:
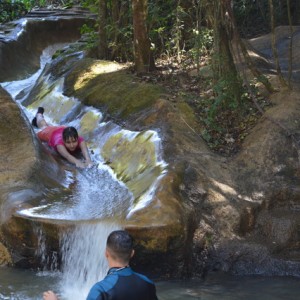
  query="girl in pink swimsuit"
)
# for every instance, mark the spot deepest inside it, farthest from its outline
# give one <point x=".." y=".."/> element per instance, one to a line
<point x="64" y="140"/>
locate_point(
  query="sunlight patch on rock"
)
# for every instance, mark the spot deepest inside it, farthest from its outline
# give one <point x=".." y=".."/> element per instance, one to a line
<point x="97" y="68"/>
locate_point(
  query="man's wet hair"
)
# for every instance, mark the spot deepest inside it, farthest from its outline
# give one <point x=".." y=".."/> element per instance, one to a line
<point x="120" y="245"/>
<point x="70" y="133"/>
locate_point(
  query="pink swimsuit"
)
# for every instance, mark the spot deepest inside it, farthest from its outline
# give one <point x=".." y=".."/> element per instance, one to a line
<point x="53" y="135"/>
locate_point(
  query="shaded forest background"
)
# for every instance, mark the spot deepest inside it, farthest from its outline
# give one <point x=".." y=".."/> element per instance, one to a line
<point x="192" y="47"/>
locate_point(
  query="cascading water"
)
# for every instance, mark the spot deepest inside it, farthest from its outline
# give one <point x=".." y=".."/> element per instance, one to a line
<point x="48" y="262"/>
<point x="96" y="201"/>
<point x="83" y="258"/>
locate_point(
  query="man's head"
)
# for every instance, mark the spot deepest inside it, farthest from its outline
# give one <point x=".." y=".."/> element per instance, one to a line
<point x="119" y="246"/>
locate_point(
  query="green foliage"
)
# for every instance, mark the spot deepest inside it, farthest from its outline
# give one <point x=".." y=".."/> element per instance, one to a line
<point x="161" y="19"/>
<point x="226" y="124"/>
<point x="120" y="44"/>
<point x="247" y="13"/>
<point x="10" y="10"/>
<point x="14" y="9"/>
<point x="176" y="29"/>
<point x="203" y="43"/>
<point x="92" y="5"/>
<point x="224" y="100"/>
<point x="32" y="3"/>
<point x="119" y="33"/>
<point x="90" y="34"/>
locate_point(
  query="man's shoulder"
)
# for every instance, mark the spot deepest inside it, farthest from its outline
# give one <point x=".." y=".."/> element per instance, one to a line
<point x="102" y="287"/>
<point x="143" y="277"/>
<point x="107" y="282"/>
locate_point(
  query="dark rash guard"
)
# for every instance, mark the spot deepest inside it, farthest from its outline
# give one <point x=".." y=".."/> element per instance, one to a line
<point x="123" y="284"/>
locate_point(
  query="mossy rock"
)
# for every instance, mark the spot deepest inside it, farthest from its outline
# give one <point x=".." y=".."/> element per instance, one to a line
<point x="100" y="84"/>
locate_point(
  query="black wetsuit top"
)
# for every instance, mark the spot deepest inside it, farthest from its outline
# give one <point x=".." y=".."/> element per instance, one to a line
<point x="123" y="284"/>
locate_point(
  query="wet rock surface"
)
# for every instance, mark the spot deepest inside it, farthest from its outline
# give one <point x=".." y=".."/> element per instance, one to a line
<point x="22" y="41"/>
<point x="17" y="153"/>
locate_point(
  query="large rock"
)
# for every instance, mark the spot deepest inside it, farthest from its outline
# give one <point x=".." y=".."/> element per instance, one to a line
<point x="5" y="258"/>
<point x="26" y="170"/>
<point x="17" y="156"/>
<point x="22" y="41"/>
<point x="17" y="152"/>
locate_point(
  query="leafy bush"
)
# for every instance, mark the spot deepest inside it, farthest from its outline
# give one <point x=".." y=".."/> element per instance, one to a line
<point x="249" y="13"/>
<point x="14" y="9"/>
<point x="203" y="43"/>
<point x="11" y="10"/>
<point x="90" y="34"/>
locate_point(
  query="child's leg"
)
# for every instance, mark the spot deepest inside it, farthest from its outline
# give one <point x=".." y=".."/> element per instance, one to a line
<point x="45" y="134"/>
<point x="40" y="121"/>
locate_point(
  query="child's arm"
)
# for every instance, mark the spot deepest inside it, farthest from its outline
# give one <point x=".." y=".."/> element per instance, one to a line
<point x="61" y="149"/>
<point x="85" y="153"/>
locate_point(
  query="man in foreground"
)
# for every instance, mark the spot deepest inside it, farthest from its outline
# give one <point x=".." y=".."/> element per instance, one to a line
<point x="121" y="282"/>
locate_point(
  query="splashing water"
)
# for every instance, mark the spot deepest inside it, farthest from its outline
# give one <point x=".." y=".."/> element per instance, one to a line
<point x="97" y="195"/>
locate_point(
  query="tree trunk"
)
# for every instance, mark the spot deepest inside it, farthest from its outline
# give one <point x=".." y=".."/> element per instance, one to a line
<point x="248" y="61"/>
<point x="290" y="45"/>
<point x="115" y="14"/>
<point x="102" y="46"/>
<point x="274" y="48"/>
<point x="142" y="53"/>
<point x="224" y="67"/>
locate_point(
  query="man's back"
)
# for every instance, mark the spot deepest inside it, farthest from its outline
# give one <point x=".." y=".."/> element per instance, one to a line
<point x="123" y="284"/>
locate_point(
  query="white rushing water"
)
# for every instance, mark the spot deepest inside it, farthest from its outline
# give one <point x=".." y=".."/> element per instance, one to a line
<point x="83" y="258"/>
<point x="97" y="196"/>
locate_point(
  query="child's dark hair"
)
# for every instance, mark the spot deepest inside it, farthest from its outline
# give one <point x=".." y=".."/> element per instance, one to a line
<point x="70" y="133"/>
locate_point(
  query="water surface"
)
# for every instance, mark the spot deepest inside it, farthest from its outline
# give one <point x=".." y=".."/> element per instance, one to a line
<point x="16" y="284"/>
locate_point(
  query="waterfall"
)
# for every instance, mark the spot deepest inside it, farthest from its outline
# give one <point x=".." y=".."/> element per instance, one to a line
<point x="49" y="262"/>
<point x="83" y="259"/>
